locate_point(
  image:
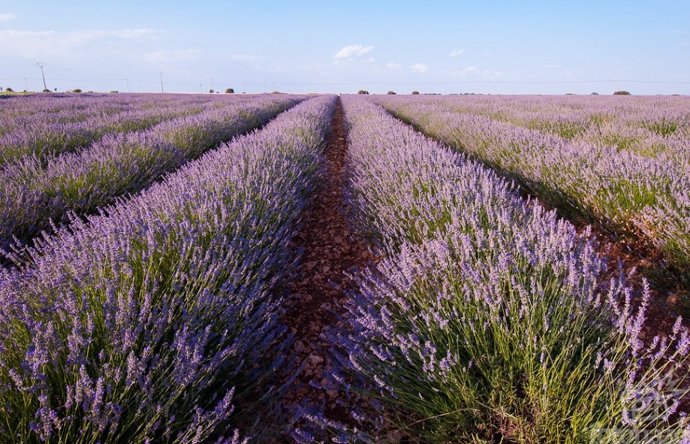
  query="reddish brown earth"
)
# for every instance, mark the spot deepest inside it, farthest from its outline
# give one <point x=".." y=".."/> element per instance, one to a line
<point x="669" y="299"/>
<point x="319" y="289"/>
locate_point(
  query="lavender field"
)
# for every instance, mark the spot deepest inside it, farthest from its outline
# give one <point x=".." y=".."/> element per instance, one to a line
<point x="280" y="268"/>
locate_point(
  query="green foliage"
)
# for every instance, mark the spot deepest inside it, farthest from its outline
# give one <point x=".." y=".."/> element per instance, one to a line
<point x="663" y="127"/>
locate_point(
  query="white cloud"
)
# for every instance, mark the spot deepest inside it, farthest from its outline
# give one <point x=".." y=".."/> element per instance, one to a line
<point x="30" y="44"/>
<point x="393" y="65"/>
<point x="7" y="16"/>
<point x="353" y="52"/>
<point x="419" y="67"/>
<point x="681" y="31"/>
<point x="457" y="52"/>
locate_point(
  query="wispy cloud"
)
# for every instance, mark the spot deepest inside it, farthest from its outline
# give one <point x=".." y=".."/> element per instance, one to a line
<point x="30" y="44"/>
<point x="393" y="65"/>
<point x="419" y="67"/>
<point x="7" y="16"/>
<point x="550" y="66"/>
<point x="354" y="52"/>
<point x="681" y="31"/>
<point x="457" y="52"/>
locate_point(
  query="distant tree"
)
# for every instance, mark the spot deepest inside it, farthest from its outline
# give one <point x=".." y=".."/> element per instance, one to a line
<point x="9" y="90"/>
<point x="0" y="88"/>
<point x="594" y="94"/>
<point x="415" y="93"/>
<point x="391" y="93"/>
<point x="114" y="91"/>
<point x="362" y="91"/>
<point x="569" y="94"/>
<point x="76" y="90"/>
<point x="621" y="93"/>
<point x="229" y="91"/>
<point x="211" y="91"/>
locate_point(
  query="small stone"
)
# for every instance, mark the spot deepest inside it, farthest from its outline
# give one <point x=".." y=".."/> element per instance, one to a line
<point x="315" y="359"/>
<point x="395" y="436"/>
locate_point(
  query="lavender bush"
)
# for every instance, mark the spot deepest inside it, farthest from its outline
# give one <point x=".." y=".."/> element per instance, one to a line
<point x="622" y="189"/>
<point x="69" y="127"/>
<point x="31" y="194"/>
<point x="489" y="319"/>
<point x="158" y="320"/>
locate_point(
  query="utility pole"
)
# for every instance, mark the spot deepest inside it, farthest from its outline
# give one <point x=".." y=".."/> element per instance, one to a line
<point x="42" y="65"/>
<point x="26" y="84"/>
<point x="127" y="81"/>
<point x="160" y="73"/>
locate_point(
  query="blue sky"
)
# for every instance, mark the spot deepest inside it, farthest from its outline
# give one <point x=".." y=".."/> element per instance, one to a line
<point x="548" y="47"/>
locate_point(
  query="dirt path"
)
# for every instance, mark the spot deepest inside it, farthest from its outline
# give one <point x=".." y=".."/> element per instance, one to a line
<point x="318" y="291"/>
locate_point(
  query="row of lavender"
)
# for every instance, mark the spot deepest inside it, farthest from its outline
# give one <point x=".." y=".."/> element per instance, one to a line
<point x="34" y="193"/>
<point x="77" y="122"/>
<point x="622" y="189"/>
<point x="151" y="323"/>
<point x="64" y="108"/>
<point x="650" y="126"/>
<point x="488" y="318"/>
